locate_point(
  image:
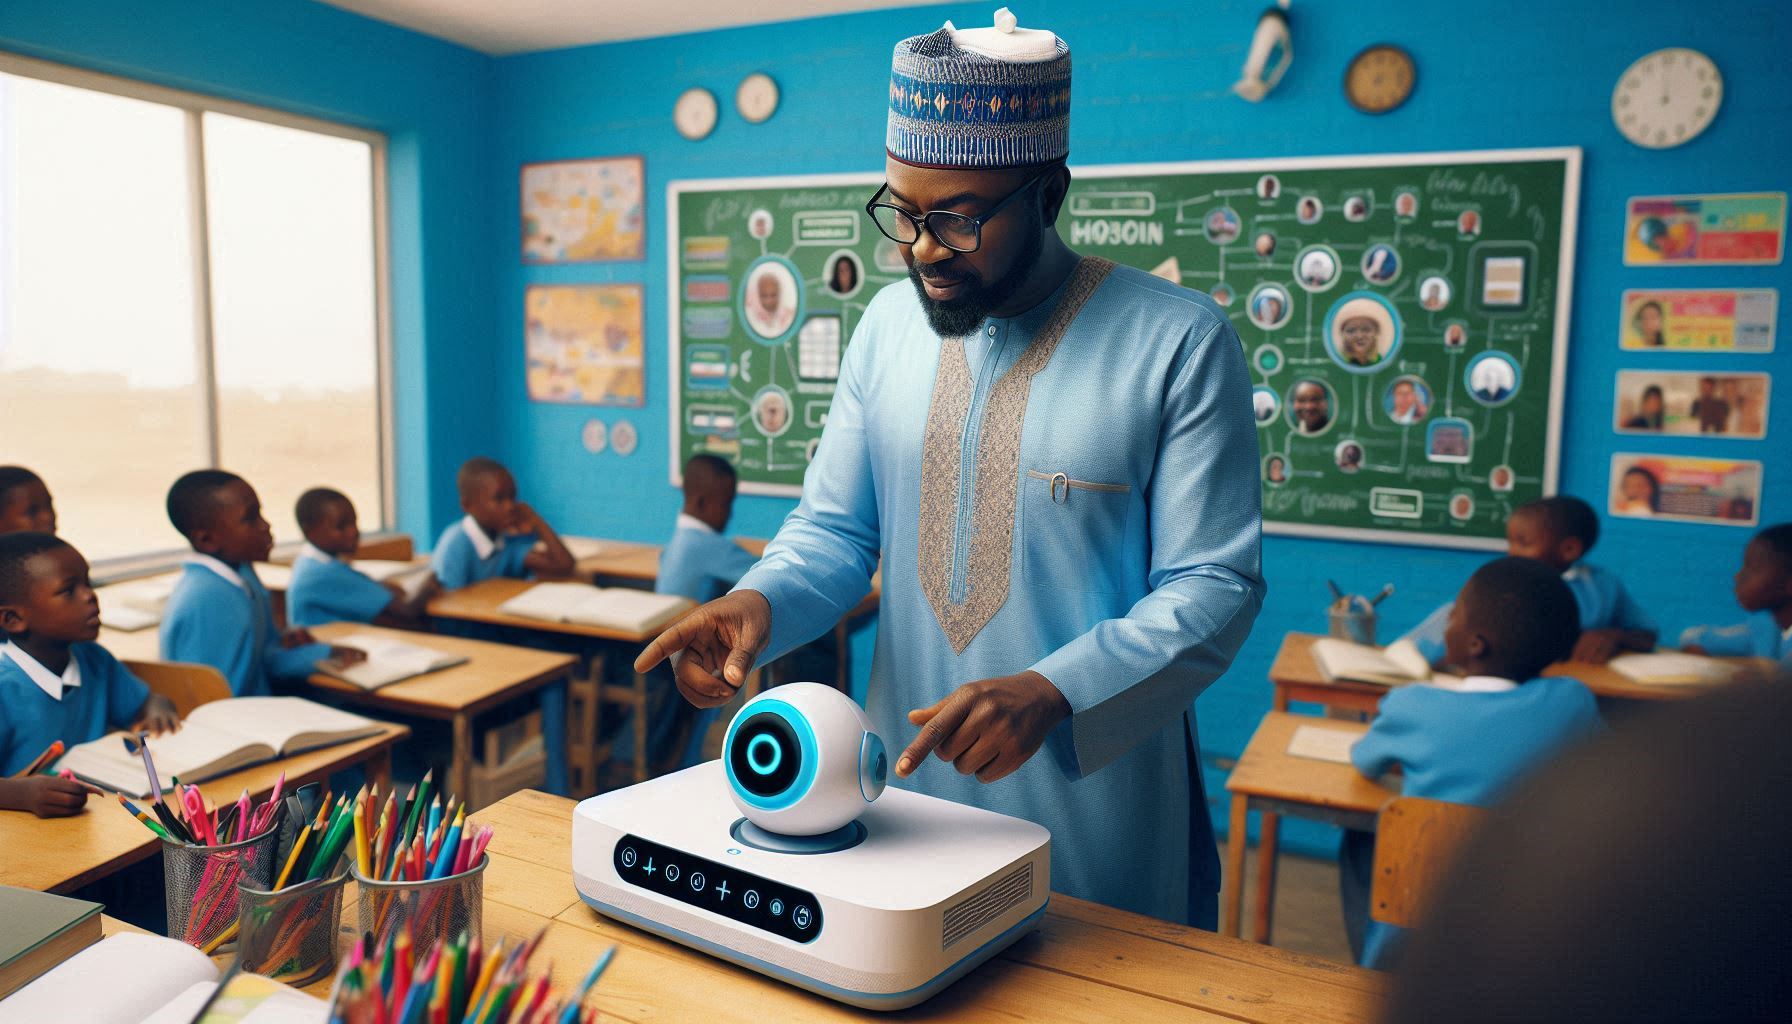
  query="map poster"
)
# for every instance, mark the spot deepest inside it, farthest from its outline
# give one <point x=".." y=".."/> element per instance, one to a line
<point x="584" y="344"/>
<point x="584" y="211"/>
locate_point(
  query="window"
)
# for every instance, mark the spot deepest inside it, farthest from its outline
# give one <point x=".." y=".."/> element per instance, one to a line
<point x="185" y="283"/>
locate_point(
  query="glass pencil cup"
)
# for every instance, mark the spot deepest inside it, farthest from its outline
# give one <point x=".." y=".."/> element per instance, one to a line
<point x="200" y="883"/>
<point x="439" y="908"/>
<point x="290" y="934"/>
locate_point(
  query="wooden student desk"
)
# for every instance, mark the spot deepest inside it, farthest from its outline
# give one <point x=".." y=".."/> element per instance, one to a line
<point x="63" y="854"/>
<point x="1269" y="779"/>
<point x="493" y="674"/>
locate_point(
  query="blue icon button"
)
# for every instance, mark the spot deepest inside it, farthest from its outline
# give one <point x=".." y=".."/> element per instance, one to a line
<point x="722" y="889"/>
<point x="628" y="856"/>
<point x="751" y="899"/>
<point x="777" y="908"/>
<point x="800" y="917"/>
<point x="649" y="867"/>
<point x="697" y="881"/>
<point x="671" y="872"/>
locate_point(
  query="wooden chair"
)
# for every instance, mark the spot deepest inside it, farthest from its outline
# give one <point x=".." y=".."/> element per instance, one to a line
<point x="187" y="685"/>
<point x="1416" y="841"/>
<point x="394" y="548"/>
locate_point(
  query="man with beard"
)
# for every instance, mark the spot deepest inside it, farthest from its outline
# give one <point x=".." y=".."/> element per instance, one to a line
<point x="1056" y="460"/>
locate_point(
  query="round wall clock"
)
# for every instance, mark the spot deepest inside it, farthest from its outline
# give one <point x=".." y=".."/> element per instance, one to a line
<point x="695" y="113"/>
<point x="756" y="98"/>
<point x="1667" y="97"/>
<point x="1380" y="78"/>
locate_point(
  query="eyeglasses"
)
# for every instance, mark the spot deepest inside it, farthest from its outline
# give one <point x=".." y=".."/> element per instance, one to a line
<point x="955" y="231"/>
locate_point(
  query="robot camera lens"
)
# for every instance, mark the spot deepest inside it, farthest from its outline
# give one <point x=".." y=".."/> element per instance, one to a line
<point x="765" y="755"/>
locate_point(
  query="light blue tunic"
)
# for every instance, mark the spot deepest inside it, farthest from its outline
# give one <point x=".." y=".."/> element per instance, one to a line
<point x="1603" y="600"/>
<point x="457" y="562"/>
<point x="108" y="698"/>
<point x="1131" y="595"/>
<point x="331" y="590"/>
<point x="1756" y="637"/>
<point x="699" y="564"/>
<point x="230" y="626"/>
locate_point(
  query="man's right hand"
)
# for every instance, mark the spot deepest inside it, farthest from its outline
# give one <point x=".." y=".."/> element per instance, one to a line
<point x="720" y="640"/>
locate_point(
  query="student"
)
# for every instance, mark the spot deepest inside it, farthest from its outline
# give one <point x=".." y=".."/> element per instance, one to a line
<point x="497" y="535"/>
<point x="55" y="682"/>
<point x="1470" y="743"/>
<point x="1712" y="412"/>
<point x="219" y="613"/>
<point x="325" y="587"/>
<point x="1763" y="586"/>
<point x="25" y="502"/>
<point x="1559" y="532"/>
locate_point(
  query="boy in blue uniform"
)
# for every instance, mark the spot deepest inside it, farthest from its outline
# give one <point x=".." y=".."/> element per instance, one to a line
<point x="219" y="613"/>
<point x="1559" y="532"/>
<point x="1469" y="743"/>
<point x="1763" y="586"/>
<point x="325" y="587"/>
<point x="497" y="536"/>
<point x="55" y="682"/>
<point x="25" y="502"/>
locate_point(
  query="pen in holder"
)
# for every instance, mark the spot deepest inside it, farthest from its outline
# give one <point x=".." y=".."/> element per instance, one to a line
<point x="434" y="910"/>
<point x="290" y="934"/>
<point x="201" y="883"/>
<point x="1352" y="616"/>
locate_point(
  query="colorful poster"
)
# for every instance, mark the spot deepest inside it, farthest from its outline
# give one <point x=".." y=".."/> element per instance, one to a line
<point x="1695" y="404"/>
<point x="584" y="344"/>
<point x="1699" y="320"/>
<point x="1722" y="229"/>
<point x="1722" y="491"/>
<point x="584" y="211"/>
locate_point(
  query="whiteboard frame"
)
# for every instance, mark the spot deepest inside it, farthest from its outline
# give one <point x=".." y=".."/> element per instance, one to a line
<point x="1571" y="156"/>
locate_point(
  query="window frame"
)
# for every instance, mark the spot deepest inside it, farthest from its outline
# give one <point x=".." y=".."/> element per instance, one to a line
<point x="194" y="106"/>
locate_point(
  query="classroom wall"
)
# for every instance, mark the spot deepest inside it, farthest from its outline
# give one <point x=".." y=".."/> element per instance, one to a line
<point x="1151" y="83"/>
<point x="433" y="101"/>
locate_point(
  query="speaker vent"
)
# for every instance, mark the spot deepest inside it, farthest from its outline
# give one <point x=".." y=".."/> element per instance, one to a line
<point x="973" y="912"/>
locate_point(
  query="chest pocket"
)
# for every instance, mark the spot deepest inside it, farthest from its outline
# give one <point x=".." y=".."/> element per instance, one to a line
<point x="1072" y="532"/>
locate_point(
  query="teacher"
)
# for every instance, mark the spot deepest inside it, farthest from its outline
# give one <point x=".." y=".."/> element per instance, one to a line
<point x="1055" y="458"/>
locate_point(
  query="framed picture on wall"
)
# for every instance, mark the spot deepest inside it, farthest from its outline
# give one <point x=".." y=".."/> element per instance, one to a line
<point x="584" y="211"/>
<point x="583" y="344"/>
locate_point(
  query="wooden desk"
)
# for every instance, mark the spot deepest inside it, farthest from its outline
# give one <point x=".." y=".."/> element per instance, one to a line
<point x="63" y="854"/>
<point x="493" y="674"/>
<point x="1270" y="780"/>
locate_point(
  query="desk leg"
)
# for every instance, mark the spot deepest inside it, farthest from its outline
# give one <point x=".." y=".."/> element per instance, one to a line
<point x="460" y="763"/>
<point x="1269" y="828"/>
<point x="1279" y="702"/>
<point x="379" y="769"/>
<point x="553" y="734"/>
<point x="640" y="724"/>
<point x="1232" y="883"/>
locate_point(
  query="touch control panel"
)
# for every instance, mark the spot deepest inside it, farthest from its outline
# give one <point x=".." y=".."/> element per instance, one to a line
<point x="719" y="889"/>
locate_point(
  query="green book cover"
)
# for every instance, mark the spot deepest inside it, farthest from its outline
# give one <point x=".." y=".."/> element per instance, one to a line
<point x="29" y="918"/>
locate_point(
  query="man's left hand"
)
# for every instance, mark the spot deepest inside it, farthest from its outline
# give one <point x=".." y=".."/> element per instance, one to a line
<point x="987" y="728"/>
<point x="1598" y="646"/>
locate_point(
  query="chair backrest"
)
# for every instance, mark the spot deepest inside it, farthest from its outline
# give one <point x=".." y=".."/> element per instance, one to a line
<point x="187" y="685"/>
<point x="394" y="548"/>
<point x="1416" y="841"/>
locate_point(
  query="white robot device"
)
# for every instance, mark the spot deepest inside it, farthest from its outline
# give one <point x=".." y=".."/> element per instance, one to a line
<point x="780" y="857"/>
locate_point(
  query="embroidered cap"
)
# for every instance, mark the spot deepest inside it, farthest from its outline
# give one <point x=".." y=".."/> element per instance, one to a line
<point x="993" y="97"/>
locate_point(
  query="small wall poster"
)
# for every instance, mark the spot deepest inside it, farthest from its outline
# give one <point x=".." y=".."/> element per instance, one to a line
<point x="1692" y="404"/>
<point x="1741" y="228"/>
<point x="1722" y="491"/>
<point x="582" y="211"/>
<point x="1699" y="320"/>
<point x="583" y="344"/>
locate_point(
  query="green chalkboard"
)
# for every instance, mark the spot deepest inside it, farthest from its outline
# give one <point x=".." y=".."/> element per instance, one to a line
<point x="1405" y="320"/>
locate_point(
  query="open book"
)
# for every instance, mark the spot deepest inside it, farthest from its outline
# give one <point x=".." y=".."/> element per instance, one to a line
<point x="1673" y="668"/>
<point x="581" y="548"/>
<point x="388" y="661"/>
<point x="135" y="604"/>
<point x="586" y="605"/>
<point x="1394" y="665"/>
<point x="1318" y="743"/>
<point x="216" y="739"/>
<point x="133" y="978"/>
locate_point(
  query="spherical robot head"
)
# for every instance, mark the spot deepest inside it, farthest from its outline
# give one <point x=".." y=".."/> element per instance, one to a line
<point x="801" y="760"/>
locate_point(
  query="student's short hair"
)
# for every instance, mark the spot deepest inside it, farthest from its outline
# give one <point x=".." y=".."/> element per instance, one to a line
<point x="311" y="507"/>
<point x="191" y="498"/>
<point x="1566" y="517"/>
<point x="1526" y="609"/>
<point x="704" y="470"/>
<point x="475" y="469"/>
<point x="16" y="552"/>
<point x="1778" y="540"/>
<point x="12" y="477"/>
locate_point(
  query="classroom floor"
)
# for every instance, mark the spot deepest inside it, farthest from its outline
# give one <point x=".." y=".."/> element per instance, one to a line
<point x="1307" y="918"/>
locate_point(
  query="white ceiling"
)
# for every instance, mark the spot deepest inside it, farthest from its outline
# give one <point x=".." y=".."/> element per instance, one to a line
<point x="501" y="27"/>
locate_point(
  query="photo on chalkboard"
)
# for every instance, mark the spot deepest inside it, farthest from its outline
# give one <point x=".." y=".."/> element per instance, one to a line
<point x="1450" y="439"/>
<point x="1692" y="404"/>
<point x="1726" y="492"/>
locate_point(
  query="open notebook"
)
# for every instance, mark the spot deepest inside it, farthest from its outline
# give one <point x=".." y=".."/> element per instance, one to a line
<point x="132" y="978"/>
<point x="1673" y="668"/>
<point x="216" y="739"/>
<point x="388" y="661"/>
<point x="1394" y="665"/>
<point x="586" y="605"/>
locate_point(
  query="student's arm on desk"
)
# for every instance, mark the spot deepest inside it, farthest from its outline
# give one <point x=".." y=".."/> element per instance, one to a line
<point x="1378" y="752"/>
<point x="553" y="559"/>
<point x="46" y="796"/>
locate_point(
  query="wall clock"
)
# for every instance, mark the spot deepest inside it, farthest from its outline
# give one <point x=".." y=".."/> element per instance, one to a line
<point x="1380" y="78"/>
<point x="695" y="113"/>
<point x="756" y="98"/>
<point x="1667" y="98"/>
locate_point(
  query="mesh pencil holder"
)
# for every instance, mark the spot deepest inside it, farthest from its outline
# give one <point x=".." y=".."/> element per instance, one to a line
<point x="440" y="908"/>
<point x="201" y="883"/>
<point x="290" y="934"/>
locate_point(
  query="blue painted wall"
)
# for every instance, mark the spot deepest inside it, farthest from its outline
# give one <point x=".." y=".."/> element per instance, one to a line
<point x="433" y="101"/>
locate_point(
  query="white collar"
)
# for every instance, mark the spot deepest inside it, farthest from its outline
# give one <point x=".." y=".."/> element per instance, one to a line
<point x="1786" y="634"/>
<point x="1573" y="572"/>
<point x="46" y="680"/>
<point x="315" y="553"/>
<point x="1485" y="684"/>
<point x="200" y="558"/>
<point x="686" y="521"/>
<point x="483" y="545"/>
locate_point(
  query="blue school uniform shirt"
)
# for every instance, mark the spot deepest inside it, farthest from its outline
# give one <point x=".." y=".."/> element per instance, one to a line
<point x="93" y="696"/>
<point x="1757" y="637"/>
<point x="1468" y="745"/>
<point x="700" y="563"/>
<point x="1603" y="601"/>
<point x="327" y="589"/>
<point x="465" y="555"/>
<point x="220" y="616"/>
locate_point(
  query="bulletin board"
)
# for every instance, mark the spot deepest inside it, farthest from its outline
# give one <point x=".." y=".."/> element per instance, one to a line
<point x="1425" y="297"/>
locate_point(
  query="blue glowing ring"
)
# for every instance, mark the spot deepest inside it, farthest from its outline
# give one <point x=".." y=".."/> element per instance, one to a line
<point x="807" y="750"/>
<point x="753" y="760"/>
